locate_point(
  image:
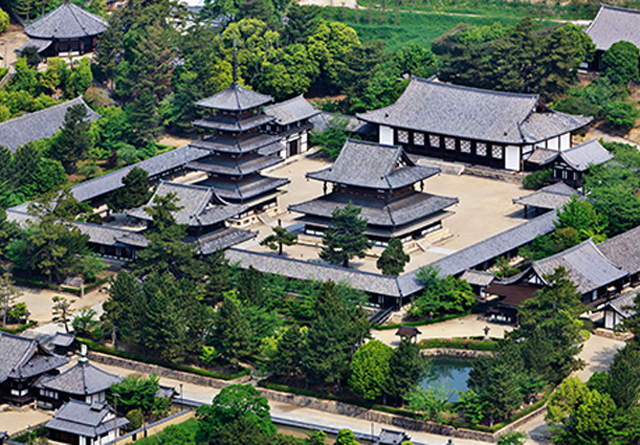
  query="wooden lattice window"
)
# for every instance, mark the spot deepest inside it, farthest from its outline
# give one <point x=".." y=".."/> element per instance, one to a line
<point x="403" y="136"/>
<point x="481" y="149"/>
<point x="496" y="151"/>
<point x="465" y="146"/>
<point x="434" y="141"/>
<point x="418" y="138"/>
<point x="450" y="143"/>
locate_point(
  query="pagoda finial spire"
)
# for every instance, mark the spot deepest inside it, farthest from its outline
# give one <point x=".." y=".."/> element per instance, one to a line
<point x="235" y="60"/>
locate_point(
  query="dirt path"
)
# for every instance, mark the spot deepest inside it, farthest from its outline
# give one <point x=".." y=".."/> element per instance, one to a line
<point x="11" y="40"/>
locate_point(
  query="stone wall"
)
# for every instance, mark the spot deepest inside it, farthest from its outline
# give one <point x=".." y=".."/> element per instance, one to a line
<point x="146" y="368"/>
<point x="349" y="410"/>
<point x="612" y="335"/>
<point x="521" y="421"/>
<point x="451" y="352"/>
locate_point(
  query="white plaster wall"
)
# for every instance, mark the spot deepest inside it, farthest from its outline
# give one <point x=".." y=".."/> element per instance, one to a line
<point x="304" y="145"/>
<point x="608" y="320"/>
<point x="386" y="135"/>
<point x="565" y="141"/>
<point x="512" y="158"/>
<point x="552" y="144"/>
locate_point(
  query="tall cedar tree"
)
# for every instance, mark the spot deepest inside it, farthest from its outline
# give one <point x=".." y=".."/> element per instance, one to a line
<point x="144" y="118"/>
<point x="406" y="367"/>
<point x="280" y="237"/>
<point x="624" y="378"/>
<point x="334" y="333"/>
<point x="219" y="275"/>
<point x="251" y="287"/>
<point x="74" y="140"/>
<point x="288" y="357"/>
<point x="123" y="309"/>
<point x="346" y="238"/>
<point x="8" y="296"/>
<point x="134" y="193"/>
<point x="232" y="332"/>
<point x="393" y="258"/>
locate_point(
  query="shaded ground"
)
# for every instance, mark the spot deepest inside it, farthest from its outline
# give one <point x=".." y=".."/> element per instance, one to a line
<point x="18" y="420"/>
<point x="11" y="40"/>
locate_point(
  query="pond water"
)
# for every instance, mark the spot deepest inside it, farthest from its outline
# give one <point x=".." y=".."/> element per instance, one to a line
<point x="448" y="373"/>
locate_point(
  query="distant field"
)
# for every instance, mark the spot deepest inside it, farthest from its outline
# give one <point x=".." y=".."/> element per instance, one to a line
<point x="399" y="29"/>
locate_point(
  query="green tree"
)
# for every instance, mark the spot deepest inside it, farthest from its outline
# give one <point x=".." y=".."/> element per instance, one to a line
<point x="30" y="53"/>
<point x="580" y="215"/>
<point x="406" y="367"/>
<point x="512" y="438"/>
<point x="369" y="369"/>
<point x="288" y="357"/>
<point x="8" y="296"/>
<point x="232" y="403"/>
<point x="219" y="274"/>
<point x="232" y="332"/>
<point x="280" y="237"/>
<point x="315" y="437"/>
<point x="500" y="391"/>
<point x="135" y="418"/>
<point x="448" y="294"/>
<point x="143" y="117"/>
<point x="134" y="193"/>
<point x="135" y="392"/>
<point x="251" y="287"/>
<point x="74" y="140"/>
<point x="393" y="258"/>
<point x="345" y="238"/>
<point x="332" y="139"/>
<point x="624" y="378"/>
<point x="622" y="114"/>
<point x="62" y="312"/>
<point x="346" y="437"/>
<point x="84" y="322"/>
<point x="301" y="24"/>
<point x="124" y="308"/>
<point x="620" y="63"/>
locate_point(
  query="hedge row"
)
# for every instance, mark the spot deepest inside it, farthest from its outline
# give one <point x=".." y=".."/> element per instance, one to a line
<point x="423" y="322"/>
<point x="21" y="329"/>
<point x="152" y="361"/>
<point x="459" y="343"/>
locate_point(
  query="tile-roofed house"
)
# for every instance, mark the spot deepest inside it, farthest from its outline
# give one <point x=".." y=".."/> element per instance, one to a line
<point x="550" y="197"/>
<point x="39" y="124"/>
<point x="239" y="150"/>
<point x="80" y="422"/>
<point x="222" y="239"/>
<point x="589" y="269"/>
<point x="199" y="206"/>
<point x="292" y="123"/>
<point x="472" y="125"/>
<point x="22" y="362"/>
<point x="611" y="25"/>
<point x="618" y="309"/>
<point x="623" y="251"/>
<point x="68" y="28"/>
<point x="391" y="437"/>
<point x="380" y="179"/>
<point x="83" y="381"/>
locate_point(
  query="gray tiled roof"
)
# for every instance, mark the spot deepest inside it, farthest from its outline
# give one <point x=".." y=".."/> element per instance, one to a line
<point x="228" y="123"/>
<point x="67" y="21"/>
<point x="240" y="166"/>
<point x="112" y="236"/>
<point x="63" y="340"/>
<point x="245" y="144"/>
<point x="550" y="197"/>
<point x="477" y="277"/>
<point x="246" y="189"/>
<point x="305" y="270"/>
<point x="222" y="239"/>
<point x="40" y="44"/>
<point x="292" y="110"/>
<point x="24" y="357"/>
<point x="84" y="419"/>
<point x="83" y="379"/>
<point x="588" y="268"/>
<point x="394" y="213"/>
<point x="235" y="98"/>
<point x="622" y="303"/>
<point x="542" y="156"/>
<point x="623" y="250"/>
<point x="588" y="153"/>
<point x="372" y="165"/>
<point x="200" y="206"/>
<point x="613" y="24"/>
<point x="435" y="107"/>
<point x="38" y="125"/>
<point x="155" y="167"/>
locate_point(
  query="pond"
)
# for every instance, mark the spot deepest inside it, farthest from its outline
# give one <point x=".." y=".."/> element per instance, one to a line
<point x="448" y="373"/>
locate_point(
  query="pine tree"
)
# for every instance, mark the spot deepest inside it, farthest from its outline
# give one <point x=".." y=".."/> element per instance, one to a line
<point x="233" y="334"/>
<point x="406" y="367"/>
<point x="287" y="359"/>
<point x="125" y="307"/>
<point x="346" y="238"/>
<point x="74" y="140"/>
<point x="8" y="296"/>
<point x="393" y="258"/>
<point x="278" y="238"/>
<point x="134" y="193"/>
<point x="143" y="117"/>
<point x="219" y="277"/>
<point x="62" y="312"/>
<point x="251" y="287"/>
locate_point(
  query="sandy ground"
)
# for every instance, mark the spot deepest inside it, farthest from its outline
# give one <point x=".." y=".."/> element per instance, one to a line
<point x="20" y="419"/>
<point x="173" y="141"/>
<point x="485" y="209"/>
<point x="11" y="40"/>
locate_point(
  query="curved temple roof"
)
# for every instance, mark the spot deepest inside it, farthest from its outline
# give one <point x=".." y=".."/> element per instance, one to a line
<point x="67" y="21"/>
<point x="235" y="98"/>
<point x="612" y="25"/>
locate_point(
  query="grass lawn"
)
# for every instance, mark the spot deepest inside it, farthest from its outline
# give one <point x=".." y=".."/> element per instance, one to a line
<point x="185" y="431"/>
<point x="400" y="29"/>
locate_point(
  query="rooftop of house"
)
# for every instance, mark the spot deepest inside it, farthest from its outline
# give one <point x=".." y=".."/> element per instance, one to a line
<point x="372" y="165"/>
<point x="551" y="197"/>
<point x="264" y="144"/>
<point x="39" y="124"/>
<point x="235" y="98"/>
<point x="431" y="106"/>
<point x="478" y="277"/>
<point x="622" y="250"/>
<point x="82" y="379"/>
<point x="623" y="304"/>
<point x="586" y="154"/>
<point x="292" y="110"/>
<point x="67" y="21"/>
<point x="62" y="340"/>
<point x="613" y="24"/>
<point x="22" y="357"/>
<point x="84" y="419"/>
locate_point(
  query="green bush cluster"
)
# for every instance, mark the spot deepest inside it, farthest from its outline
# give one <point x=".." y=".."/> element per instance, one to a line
<point x="459" y="343"/>
<point x="423" y="322"/>
<point x="536" y="180"/>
